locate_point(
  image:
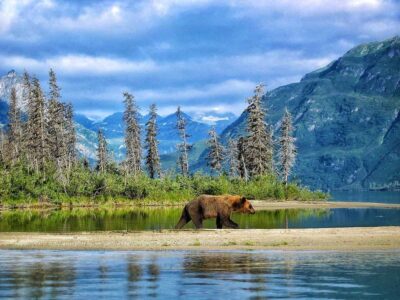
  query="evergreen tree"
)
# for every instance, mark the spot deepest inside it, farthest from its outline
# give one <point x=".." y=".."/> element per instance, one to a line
<point x="287" y="152"/>
<point x="132" y="135"/>
<point x="56" y="125"/>
<point x="259" y="146"/>
<point x="37" y="131"/>
<point x="2" y="147"/>
<point x="25" y="131"/>
<point x="215" y="156"/>
<point x="241" y="158"/>
<point x="26" y="89"/>
<point x="102" y="152"/>
<point x="152" y="157"/>
<point x="14" y="128"/>
<point x="232" y="156"/>
<point x="183" y="147"/>
<point x="70" y="135"/>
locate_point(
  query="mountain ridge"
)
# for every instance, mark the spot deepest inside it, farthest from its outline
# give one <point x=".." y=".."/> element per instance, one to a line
<point x="346" y="116"/>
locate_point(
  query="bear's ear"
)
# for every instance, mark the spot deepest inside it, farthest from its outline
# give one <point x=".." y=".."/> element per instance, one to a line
<point x="242" y="200"/>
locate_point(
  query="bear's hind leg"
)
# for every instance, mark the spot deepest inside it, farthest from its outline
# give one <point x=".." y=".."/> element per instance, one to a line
<point x="198" y="222"/>
<point x="185" y="218"/>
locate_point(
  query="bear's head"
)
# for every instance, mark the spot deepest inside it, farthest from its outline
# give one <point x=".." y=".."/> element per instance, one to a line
<point x="245" y="206"/>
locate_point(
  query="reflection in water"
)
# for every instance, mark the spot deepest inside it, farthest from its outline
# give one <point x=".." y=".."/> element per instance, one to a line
<point x="243" y="268"/>
<point x="202" y="274"/>
<point x="153" y="277"/>
<point x="166" y="218"/>
<point x="33" y="278"/>
<point x="134" y="272"/>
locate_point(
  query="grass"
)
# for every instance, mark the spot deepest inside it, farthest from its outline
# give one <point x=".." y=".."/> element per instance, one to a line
<point x="196" y="243"/>
<point x="229" y="244"/>
<point x="248" y="243"/>
<point x="19" y="187"/>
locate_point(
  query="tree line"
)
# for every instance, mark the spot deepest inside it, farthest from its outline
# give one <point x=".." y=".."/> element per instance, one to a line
<point x="248" y="156"/>
<point x="45" y="134"/>
<point x="40" y="139"/>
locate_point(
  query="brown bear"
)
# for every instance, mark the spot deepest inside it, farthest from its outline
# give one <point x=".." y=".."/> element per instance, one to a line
<point x="220" y="207"/>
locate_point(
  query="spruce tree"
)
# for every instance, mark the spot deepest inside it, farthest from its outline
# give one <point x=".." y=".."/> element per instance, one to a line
<point x="37" y="131"/>
<point x="25" y="132"/>
<point x="215" y="155"/>
<point x="56" y="125"/>
<point x="152" y="156"/>
<point x="132" y="135"/>
<point x="183" y="147"/>
<point x="2" y="147"/>
<point x="70" y="135"/>
<point x="287" y="153"/>
<point x="241" y="158"/>
<point x="14" y="128"/>
<point x="232" y="157"/>
<point x="102" y="152"/>
<point x="26" y="88"/>
<point x="259" y="146"/>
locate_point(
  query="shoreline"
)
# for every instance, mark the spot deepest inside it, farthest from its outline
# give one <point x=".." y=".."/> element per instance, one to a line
<point x="258" y="205"/>
<point x="347" y="239"/>
<point x="273" y="205"/>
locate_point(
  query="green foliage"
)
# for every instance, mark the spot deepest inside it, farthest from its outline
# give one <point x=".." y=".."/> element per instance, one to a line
<point x="19" y="185"/>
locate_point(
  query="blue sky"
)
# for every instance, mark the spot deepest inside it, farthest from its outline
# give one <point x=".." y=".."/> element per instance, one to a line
<point x="200" y="54"/>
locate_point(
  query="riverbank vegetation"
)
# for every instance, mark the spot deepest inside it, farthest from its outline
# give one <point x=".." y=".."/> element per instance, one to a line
<point x="39" y="162"/>
<point x="86" y="187"/>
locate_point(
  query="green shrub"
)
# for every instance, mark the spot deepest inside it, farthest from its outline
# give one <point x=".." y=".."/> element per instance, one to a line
<point x="23" y="185"/>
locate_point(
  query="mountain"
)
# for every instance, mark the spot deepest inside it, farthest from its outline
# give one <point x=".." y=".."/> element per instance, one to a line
<point x="346" y="117"/>
<point x="113" y="128"/>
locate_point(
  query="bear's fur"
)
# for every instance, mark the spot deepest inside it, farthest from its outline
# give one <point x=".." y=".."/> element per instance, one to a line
<point x="220" y="207"/>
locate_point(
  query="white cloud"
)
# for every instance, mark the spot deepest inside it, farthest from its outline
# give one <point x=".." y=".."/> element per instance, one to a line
<point x="225" y="88"/>
<point x="267" y="66"/>
<point x="9" y="12"/>
<point x="94" y="18"/>
<point x="79" y="64"/>
<point x="310" y="7"/>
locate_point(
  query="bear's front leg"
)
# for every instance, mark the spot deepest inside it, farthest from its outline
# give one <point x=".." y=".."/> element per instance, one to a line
<point x="229" y="223"/>
<point x="219" y="222"/>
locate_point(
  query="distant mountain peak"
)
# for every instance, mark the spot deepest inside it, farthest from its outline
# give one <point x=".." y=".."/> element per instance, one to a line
<point x="11" y="73"/>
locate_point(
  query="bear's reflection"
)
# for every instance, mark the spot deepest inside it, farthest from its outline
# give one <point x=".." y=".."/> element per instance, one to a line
<point x="252" y="269"/>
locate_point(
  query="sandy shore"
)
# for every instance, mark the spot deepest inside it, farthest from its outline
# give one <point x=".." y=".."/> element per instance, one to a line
<point x="365" y="238"/>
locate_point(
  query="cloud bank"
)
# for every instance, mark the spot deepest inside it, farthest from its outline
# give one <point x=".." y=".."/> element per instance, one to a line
<point x="200" y="54"/>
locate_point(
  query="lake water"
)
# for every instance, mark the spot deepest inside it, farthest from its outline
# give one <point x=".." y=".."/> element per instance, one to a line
<point x="199" y="274"/>
<point x="366" y="196"/>
<point x="166" y="218"/>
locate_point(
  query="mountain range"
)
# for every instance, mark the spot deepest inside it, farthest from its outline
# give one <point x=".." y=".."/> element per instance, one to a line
<point x="168" y="136"/>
